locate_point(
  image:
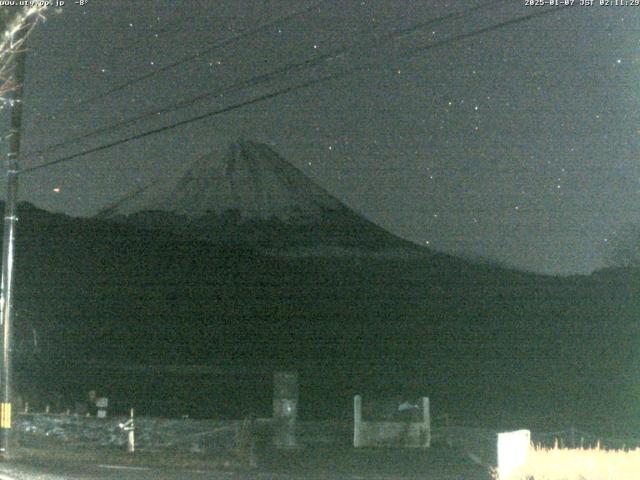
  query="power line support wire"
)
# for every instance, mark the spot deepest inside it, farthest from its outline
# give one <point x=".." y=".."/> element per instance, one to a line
<point x="261" y="78"/>
<point x="293" y="88"/>
<point x="8" y="246"/>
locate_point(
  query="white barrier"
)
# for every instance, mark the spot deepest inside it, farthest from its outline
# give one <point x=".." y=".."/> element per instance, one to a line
<point x="411" y="434"/>
<point x="512" y="451"/>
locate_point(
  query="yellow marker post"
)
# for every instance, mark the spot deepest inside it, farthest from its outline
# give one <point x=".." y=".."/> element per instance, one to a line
<point x="5" y="415"/>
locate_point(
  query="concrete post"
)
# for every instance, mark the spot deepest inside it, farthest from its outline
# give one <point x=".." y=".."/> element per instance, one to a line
<point x="285" y="409"/>
<point x="131" y="437"/>
<point x="357" y="421"/>
<point x="426" y="419"/>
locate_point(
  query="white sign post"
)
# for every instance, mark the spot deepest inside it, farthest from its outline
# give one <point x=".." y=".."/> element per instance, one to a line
<point x="102" y="403"/>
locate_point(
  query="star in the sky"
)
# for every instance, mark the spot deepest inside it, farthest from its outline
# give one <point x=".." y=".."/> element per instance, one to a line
<point x="444" y="136"/>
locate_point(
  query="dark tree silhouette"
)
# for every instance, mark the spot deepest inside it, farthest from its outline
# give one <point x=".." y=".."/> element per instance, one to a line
<point x="15" y="26"/>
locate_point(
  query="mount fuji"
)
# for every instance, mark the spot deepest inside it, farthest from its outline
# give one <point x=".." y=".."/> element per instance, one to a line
<point x="310" y="286"/>
<point x="253" y="197"/>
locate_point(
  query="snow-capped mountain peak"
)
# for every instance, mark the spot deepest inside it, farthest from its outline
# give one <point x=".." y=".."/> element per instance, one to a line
<point x="254" y="197"/>
<point x="252" y="179"/>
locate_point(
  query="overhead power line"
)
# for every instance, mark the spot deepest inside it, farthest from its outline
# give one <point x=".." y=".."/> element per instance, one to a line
<point x="183" y="60"/>
<point x="293" y="88"/>
<point x="262" y="78"/>
<point x="253" y="81"/>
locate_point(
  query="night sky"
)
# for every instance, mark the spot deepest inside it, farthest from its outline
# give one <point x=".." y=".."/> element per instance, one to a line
<point x="519" y="144"/>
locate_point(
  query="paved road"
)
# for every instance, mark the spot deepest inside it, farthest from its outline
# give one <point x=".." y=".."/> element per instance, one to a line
<point x="311" y="464"/>
<point x="116" y="472"/>
<point x="60" y="471"/>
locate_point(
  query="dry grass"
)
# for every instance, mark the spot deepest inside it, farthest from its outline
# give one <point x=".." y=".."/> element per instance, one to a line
<point x="14" y="29"/>
<point x="579" y="464"/>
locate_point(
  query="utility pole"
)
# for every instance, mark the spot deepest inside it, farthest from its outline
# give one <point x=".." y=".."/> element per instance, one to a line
<point x="8" y="246"/>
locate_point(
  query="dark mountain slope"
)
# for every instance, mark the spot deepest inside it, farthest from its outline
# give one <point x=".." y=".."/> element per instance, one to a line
<point x="254" y="198"/>
<point x="479" y="340"/>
